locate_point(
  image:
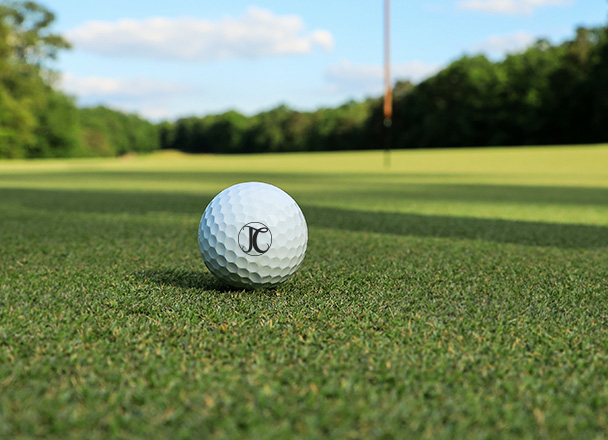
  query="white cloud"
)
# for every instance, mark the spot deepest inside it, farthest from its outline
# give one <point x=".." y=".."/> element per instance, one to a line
<point x="512" y="7"/>
<point x="99" y="87"/>
<point x="147" y="97"/>
<point x="368" y="78"/>
<point x="258" y="33"/>
<point x="498" y="45"/>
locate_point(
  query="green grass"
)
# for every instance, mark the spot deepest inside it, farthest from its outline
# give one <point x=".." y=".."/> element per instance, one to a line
<point x="460" y="293"/>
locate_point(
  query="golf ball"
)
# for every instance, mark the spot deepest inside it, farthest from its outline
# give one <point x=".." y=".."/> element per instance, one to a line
<point x="252" y="235"/>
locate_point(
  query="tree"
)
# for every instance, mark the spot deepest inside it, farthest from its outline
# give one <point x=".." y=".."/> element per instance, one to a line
<point x="265" y="133"/>
<point x="35" y="119"/>
<point x="107" y="132"/>
<point x="31" y="41"/>
<point x="456" y="107"/>
<point x="16" y="127"/>
<point x="598" y="85"/>
<point x="576" y="112"/>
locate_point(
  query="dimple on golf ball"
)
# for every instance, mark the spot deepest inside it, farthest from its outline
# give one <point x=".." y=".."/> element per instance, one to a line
<point x="253" y="235"/>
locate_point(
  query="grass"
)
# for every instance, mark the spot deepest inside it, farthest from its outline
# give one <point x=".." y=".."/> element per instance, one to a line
<point x="459" y="294"/>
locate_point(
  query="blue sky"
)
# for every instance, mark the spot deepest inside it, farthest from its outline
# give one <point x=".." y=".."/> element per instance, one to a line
<point x="167" y="59"/>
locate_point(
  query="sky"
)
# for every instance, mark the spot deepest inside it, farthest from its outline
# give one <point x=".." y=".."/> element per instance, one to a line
<point x="175" y="58"/>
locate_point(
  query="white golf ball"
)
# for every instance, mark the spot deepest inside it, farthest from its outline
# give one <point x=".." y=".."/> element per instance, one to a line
<point x="253" y="235"/>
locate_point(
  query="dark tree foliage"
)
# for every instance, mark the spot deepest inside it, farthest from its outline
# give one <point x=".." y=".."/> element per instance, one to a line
<point x="597" y="89"/>
<point x="544" y="95"/>
<point x="107" y="132"/>
<point x="280" y="129"/>
<point x="576" y="107"/>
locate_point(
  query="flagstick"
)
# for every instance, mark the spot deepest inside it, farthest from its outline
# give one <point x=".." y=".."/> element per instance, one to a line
<point x="388" y="92"/>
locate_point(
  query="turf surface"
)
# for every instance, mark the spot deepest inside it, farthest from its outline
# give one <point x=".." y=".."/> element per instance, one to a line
<point x="457" y="294"/>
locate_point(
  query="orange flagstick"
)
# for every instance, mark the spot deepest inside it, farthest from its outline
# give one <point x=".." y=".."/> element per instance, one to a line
<point x="388" y="89"/>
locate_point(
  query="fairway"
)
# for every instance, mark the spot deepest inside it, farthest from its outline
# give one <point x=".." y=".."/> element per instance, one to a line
<point x="458" y="293"/>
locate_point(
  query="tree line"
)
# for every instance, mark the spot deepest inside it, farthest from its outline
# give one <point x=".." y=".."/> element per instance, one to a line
<point x="546" y="94"/>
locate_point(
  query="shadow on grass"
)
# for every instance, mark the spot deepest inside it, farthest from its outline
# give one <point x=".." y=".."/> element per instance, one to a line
<point x="569" y="236"/>
<point x="184" y="279"/>
<point x="190" y="279"/>
<point x="352" y="186"/>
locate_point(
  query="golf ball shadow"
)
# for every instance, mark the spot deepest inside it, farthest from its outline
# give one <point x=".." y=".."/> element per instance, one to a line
<point x="184" y="279"/>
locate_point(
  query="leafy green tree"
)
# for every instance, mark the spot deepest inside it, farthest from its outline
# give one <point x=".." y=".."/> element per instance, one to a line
<point x="297" y="127"/>
<point x="16" y="127"/>
<point x="597" y="87"/>
<point x="574" y="104"/>
<point x="265" y="132"/>
<point x="31" y="40"/>
<point x="452" y="108"/>
<point x="523" y="115"/>
<point x="166" y="132"/>
<point x="35" y="119"/>
<point x="107" y="132"/>
<point x="58" y="131"/>
<point x="224" y="133"/>
<point x="187" y="135"/>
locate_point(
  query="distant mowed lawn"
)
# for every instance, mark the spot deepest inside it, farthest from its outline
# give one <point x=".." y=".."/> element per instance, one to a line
<point x="454" y="294"/>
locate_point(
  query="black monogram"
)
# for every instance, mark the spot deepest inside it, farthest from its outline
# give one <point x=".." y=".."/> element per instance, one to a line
<point x="250" y="237"/>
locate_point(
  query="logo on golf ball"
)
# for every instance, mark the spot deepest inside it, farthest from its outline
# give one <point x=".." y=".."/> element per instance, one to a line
<point x="255" y="238"/>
